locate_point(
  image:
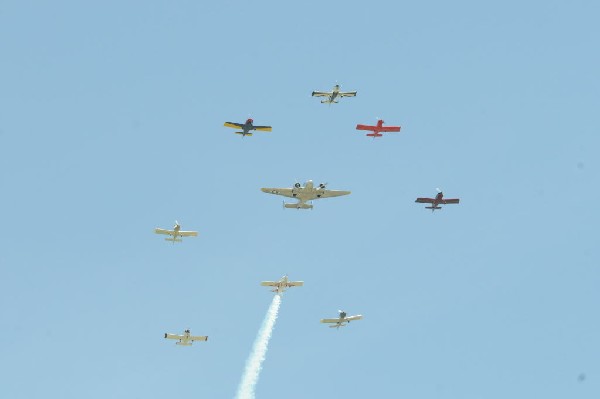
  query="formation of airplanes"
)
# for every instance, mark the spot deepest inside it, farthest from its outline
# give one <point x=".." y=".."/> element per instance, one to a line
<point x="279" y="287"/>
<point x="304" y="194"/>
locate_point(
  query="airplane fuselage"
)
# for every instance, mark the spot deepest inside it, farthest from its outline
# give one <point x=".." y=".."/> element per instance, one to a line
<point x="308" y="192"/>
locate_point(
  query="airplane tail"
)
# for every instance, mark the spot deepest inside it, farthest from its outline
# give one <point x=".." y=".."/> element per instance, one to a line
<point x="183" y="344"/>
<point x="374" y="135"/>
<point x="433" y="208"/>
<point x="244" y="134"/>
<point x="299" y="205"/>
<point x="174" y="240"/>
<point x="338" y="326"/>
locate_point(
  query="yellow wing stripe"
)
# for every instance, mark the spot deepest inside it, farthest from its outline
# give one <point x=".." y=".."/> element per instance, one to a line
<point x="233" y="125"/>
<point x="265" y="129"/>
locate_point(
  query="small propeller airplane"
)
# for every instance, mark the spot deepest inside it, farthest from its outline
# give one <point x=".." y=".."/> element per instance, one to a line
<point x="377" y="129"/>
<point x="186" y="339"/>
<point x="333" y="94"/>
<point x="303" y="194"/>
<point x="282" y="284"/>
<point x="342" y="320"/>
<point x="176" y="232"/>
<point x="247" y="127"/>
<point x="435" y="202"/>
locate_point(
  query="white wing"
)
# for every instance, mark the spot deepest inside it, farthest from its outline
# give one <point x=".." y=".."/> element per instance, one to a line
<point x="198" y="338"/>
<point x="333" y="193"/>
<point x="286" y="192"/>
<point x="321" y="94"/>
<point x="347" y="94"/>
<point x="295" y="283"/>
<point x="173" y="336"/>
<point x="188" y="233"/>
<point x="163" y="231"/>
<point x="351" y="318"/>
<point x="330" y="320"/>
<point x="269" y="283"/>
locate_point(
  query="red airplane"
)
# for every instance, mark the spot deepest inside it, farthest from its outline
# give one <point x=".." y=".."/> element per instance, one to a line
<point x="435" y="202"/>
<point x="377" y="129"/>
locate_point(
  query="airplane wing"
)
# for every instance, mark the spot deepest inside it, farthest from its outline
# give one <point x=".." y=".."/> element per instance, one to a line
<point x="173" y="336"/>
<point x="295" y="283"/>
<point x="365" y="127"/>
<point x="198" y="338"/>
<point x="451" y="201"/>
<point x="330" y="320"/>
<point x="163" y="231"/>
<point x="321" y="94"/>
<point x="351" y="318"/>
<point x="233" y="125"/>
<point x="188" y="233"/>
<point x="269" y="283"/>
<point x="286" y="192"/>
<point x="347" y="94"/>
<point x="263" y="128"/>
<point x="389" y="129"/>
<point x="424" y="200"/>
<point x="333" y="193"/>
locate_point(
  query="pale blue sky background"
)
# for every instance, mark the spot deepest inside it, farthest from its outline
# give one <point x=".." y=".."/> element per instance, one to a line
<point x="111" y="119"/>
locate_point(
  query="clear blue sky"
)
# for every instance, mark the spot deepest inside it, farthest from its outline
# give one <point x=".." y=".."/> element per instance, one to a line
<point x="111" y="124"/>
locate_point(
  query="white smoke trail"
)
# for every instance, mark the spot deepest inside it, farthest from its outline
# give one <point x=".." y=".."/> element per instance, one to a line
<point x="259" y="350"/>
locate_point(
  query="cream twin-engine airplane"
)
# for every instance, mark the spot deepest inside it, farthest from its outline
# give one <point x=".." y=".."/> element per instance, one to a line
<point x="281" y="285"/>
<point x="333" y="94"/>
<point x="186" y="339"/>
<point x="342" y="320"/>
<point x="303" y="194"/>
<point x="176" y="232"/>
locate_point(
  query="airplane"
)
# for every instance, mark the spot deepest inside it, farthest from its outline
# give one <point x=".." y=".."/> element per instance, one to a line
<point x="307" y="193"/>
<point x="377" y="129"/>
<point x="186" y="339"/>
<point x="282" y="284"/>
<point x="342" y="320"/>
<point x="435" y="202"/>
<point x="333" y="94"/>
<point x="176" y="232"/>
<point x="247" y="127"/>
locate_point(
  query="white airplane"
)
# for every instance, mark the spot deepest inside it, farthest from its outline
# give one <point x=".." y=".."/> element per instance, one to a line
<point x="186" y="339"/>
<point x="307" y="193"/>
<point x="282" y="284"/>
<point x="342" y="320"/>
<point x="331" y="95"/>
<point x="176" y="232"/>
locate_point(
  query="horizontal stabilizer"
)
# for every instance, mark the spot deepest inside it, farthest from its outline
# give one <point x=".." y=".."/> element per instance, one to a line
<point x="337" y="326"/>
<point x="174" y="239"/>
<point x="244" y="134"/>
<point x="433" y="207"/>
<point x="183" y="343"/>
<point x="299" y="205"/>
